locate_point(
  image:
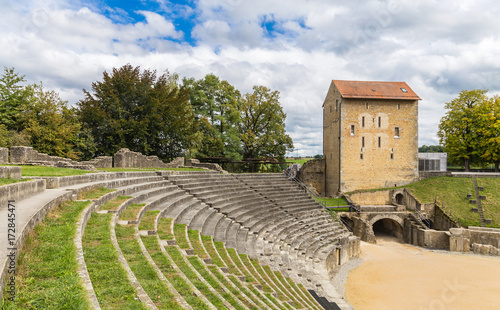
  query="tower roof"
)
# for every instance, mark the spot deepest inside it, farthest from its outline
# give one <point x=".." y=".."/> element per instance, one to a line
<point x="375" y="90"/>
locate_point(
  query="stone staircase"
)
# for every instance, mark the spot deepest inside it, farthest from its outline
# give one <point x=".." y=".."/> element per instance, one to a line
<point x="204" y="240"/>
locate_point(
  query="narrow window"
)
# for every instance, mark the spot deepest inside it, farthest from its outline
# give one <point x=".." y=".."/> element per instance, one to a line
<point x="361" y="156"/>
<point x="366" y="104"/>
<point x="363" y="122"/>
<point x="379" y="142"/>
<point x="397" y="132"/>
<point x="336" y="105"/>
<point x="392" y="156"/>
<point x="362" y="141"/>
<point x="399" y="106"/>
<point x="352" y="130"/>
<point x="379" y="122"/>
<point x="330" y="109"/>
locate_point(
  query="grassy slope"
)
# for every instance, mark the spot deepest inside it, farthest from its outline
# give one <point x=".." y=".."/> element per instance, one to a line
<point x="452" y="194"/>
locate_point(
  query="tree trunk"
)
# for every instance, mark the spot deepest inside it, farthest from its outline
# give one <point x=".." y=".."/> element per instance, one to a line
<point x="496" y="166"/>
<point x="467" y="164"/>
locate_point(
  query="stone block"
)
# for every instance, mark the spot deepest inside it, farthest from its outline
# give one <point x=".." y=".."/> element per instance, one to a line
<point x="10" y="172"/>
<point x="4" y="155"/>
<point x="485" y="249"/>
<point x="476" y="248"/>
<point x="475" y="210"/>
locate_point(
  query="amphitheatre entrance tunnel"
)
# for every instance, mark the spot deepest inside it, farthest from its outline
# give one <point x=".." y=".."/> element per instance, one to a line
<point x="387" y="226"/>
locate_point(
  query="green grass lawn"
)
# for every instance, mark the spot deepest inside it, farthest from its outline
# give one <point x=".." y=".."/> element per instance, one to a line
<point x="46" y="271"/>
<point x="334" y="202"/>
<point x="6" y="181"/>
<point x="451" y="193"/>
<point x="149" y="169"/>
<point x="42" y="171"/>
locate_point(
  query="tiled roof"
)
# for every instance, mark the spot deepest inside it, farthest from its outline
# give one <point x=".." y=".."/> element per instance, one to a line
<point x="375" y="90"/>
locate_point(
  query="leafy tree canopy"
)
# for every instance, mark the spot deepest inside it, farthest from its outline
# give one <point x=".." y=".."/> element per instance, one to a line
<point x="140" y="111"/>
<point x="262" y="125"/>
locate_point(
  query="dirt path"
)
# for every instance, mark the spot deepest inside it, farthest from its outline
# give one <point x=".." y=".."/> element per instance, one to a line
<point x="401" y="276"/>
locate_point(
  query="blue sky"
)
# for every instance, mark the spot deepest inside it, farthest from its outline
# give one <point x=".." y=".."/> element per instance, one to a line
<point x="296" y="47"/>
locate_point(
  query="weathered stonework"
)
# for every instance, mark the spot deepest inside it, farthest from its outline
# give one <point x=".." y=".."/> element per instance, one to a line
<point x="4" y="155"/>
<point x="125" y="158"/>
<point x="313" y="173"/>
<point x="197" y="164"/>
<point x="368" y="143"/>
<point x="27" y="155"/>
<point x="10" y="172"/>
<point x="100" y="162"/>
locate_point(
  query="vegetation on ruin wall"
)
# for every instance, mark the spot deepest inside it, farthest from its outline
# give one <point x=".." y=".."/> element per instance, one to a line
<point x="451" y="194"/>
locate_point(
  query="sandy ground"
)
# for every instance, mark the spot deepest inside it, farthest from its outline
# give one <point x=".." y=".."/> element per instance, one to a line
<point x="400" y="276"/>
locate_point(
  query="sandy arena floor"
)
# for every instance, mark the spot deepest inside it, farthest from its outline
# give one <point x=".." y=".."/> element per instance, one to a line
<point x="400" y="276"/>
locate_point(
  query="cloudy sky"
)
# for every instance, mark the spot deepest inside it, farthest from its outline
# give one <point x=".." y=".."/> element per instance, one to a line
<point x="294" y="46"/>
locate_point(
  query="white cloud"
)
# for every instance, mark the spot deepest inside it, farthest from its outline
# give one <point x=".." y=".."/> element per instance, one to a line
<point x="438" y="48"/>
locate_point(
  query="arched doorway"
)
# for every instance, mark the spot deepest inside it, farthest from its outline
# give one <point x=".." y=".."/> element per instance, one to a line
<point x="400" y="199"/>
<point x="387" y="226"/>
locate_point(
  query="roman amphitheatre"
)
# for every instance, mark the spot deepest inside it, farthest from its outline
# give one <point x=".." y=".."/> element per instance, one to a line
<point x="193" y="237"/>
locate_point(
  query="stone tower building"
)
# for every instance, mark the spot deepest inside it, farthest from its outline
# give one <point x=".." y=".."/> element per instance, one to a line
<point x="370" y="135"/>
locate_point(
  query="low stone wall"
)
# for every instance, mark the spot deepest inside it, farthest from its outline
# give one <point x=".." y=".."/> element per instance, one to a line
<point x="20" y="190"/>
<point x="57" y="182"/>
<point x="99" y="162"/>
<point x="125" y="158"/>
<point x="4" y="155"/>
<point x="313" y="173"/>
<point x="196" y="164"/>
<point x="26" y="154"/>
<point x="479" y="240"/>
<point x="10" y="172"/>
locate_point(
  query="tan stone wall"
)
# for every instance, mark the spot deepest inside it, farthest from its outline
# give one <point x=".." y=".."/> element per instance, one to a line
<point x="372" y="198"/>
<point x="313" y="173"/>
<point x="331" y="142"/>
<point x="363" y="164"/>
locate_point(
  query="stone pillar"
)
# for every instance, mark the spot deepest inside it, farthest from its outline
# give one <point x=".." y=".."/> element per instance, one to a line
<point x="4" y="155"/>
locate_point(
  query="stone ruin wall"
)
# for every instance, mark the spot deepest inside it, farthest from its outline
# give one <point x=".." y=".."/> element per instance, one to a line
<point x="126" y="158"/>
<point x="197" y="164"/>
<point x="312" y="173"/>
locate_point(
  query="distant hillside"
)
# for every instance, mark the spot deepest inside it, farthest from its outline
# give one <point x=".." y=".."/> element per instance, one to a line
<point x="452" y="192"/>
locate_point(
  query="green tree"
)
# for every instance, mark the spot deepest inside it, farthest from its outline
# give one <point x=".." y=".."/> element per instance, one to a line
<point x="50" y="124"/>
<point x="430" y="149"/>
<point x="487" y="130"/>
<point x="458" y="128"/>
<point x="262" y="125"/>
<point x="13" y="99"/>
<point x="139" y="111"/>
<point x="217" y="102"/>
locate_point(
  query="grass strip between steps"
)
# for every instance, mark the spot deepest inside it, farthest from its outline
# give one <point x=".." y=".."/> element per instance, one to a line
<point x="234" y="256"/>
<point x="144" y="272"/>
<point x="164" y="229"/>
<point x="46" y="271"/>
<point x="148" y="220"/>
<point x="176" y="256"/>
<point x="294" y="295"/>
<point x="95" y="193"/>
<point x="180" y="236"/>
<point x="307" y="296"/>
<point x="115" y="203"/>
<point x="109" y="278"/>
<point x="194" y="239"/>
<point x="221" y="249"/>
<point x="164" y="264"/>
<point x="131" y="212"/>
<point x="209" y="247"/>
<point x="200" y="267"/>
